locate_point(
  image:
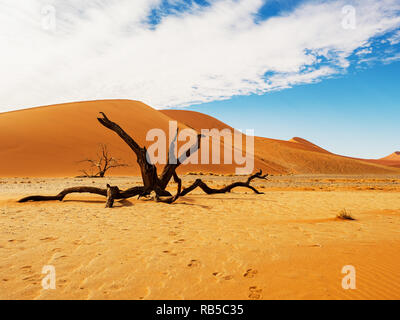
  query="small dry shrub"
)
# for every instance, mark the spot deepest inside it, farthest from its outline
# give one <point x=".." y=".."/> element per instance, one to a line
<point x="344" y="215"/>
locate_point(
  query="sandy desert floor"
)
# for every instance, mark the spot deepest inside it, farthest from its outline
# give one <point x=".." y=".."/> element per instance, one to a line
<point x="286" y="244"/>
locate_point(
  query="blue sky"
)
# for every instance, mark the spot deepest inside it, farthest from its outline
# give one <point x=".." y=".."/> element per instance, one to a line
<point x="356" y="114"/>
<point x="322" y="70"/>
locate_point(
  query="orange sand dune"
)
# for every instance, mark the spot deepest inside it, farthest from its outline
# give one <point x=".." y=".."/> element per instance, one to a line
<point x="283" y="157"/>
<point x="392" y="160"/>
<point x="196" y="120"/>
<point x="50" y="141"/>
<point x="395" y="156"/>
<point x="390" y="163"/>
<point x="309" y="144"/>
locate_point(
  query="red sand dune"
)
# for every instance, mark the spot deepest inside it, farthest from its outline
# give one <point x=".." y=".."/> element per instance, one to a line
<point x="392" y="160"/>
<point x="309" y="144"/>
<point x="196" y="120"/>
<point x="49" y="141"/>
<point x="294" y="156"/>
<point x="395" y="156"/>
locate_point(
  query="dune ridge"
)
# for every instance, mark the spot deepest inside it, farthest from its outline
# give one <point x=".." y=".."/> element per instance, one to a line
<point x="395" y="156"/>
<point x="50" y="141"/>
<point x="392" y="160"/>
<point x="286" y="243"/>
<point x="296" y="156"/>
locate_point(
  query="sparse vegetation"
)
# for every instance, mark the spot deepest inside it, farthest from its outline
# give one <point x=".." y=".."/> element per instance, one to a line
<point x="103" y="162"/>
<point x="345" y="215"/>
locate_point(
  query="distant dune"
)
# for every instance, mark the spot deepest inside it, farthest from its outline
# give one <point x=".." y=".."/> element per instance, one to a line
<point x="392" y="160"/>
<point x="310" y="145"/>
<point x="395" y="156"/>
<point x="49" y="141"/>
<point x="297" y="156"/>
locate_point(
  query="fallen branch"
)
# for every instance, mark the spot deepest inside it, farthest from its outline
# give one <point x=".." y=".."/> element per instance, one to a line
<point x="208" y="190"/>
<point x="152" y="183"/>
<point x="129" y="193"/>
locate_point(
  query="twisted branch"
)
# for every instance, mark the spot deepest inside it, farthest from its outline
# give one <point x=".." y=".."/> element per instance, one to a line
<point x="131" y="192"/>
<point x="208" y="190"/>
<point x="151" y="182"/>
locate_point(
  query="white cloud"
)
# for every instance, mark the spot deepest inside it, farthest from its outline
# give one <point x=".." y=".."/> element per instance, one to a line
<point x="364" y="51"/>
<point x="395" y="39"/>
<point x="106" y="49"/>
<point x="391" y="59"/>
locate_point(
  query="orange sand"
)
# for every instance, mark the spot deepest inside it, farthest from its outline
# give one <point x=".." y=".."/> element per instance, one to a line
<point x="392" y="160"/>
<point x="49" y="142"/>
<point x="286" y="244"/>
<point x="286" y="157"/>
<point x="393" y="157"/>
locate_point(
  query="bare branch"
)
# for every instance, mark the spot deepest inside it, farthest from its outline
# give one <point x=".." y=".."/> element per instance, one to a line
<point x="151" y="182"/>
<point x="199" y="183"/>
<point x="170" y="168"/>
<point x="103" y="163"/>
<point x="148" y="170"/>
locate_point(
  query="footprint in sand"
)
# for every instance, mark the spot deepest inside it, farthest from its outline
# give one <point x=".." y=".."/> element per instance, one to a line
<point x="194" y="263"/>
<point x="48" y="239"/>
<point x="60" y="257"/>
<point x="222" y="276"/>
<point x="250" y="273"/>
<point x="32" y="278"/>
<point x="115" y="286"/>
<point x="171" y="253"/>
<point x="26" y="267"/>
<point x="255" y="293"/>
<point x="16" y="241"/>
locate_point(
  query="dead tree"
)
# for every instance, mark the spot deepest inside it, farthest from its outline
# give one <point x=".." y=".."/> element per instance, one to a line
<point x="152" y="182"/>
<point x="102" y="163"/>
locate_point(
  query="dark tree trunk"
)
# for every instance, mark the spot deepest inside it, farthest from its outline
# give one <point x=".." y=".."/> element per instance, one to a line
<point x="151" y="181"/>
<point x="112" y="193"/>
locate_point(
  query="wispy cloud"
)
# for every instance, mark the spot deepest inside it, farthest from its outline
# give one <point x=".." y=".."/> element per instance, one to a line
<point x="190" y="54"/>
<point x="395" y="39"/>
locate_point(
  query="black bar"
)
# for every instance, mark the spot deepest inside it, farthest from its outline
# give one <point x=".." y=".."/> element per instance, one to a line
<point x="200" y="309"/>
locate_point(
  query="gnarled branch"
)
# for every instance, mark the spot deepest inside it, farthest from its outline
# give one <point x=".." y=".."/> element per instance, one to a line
<point x="170" y="168"/>
<point x="131" y="192"/>
<point x="202" y="185"/>
<point x="148" y="170"/>
<point x="151" y="182"/>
